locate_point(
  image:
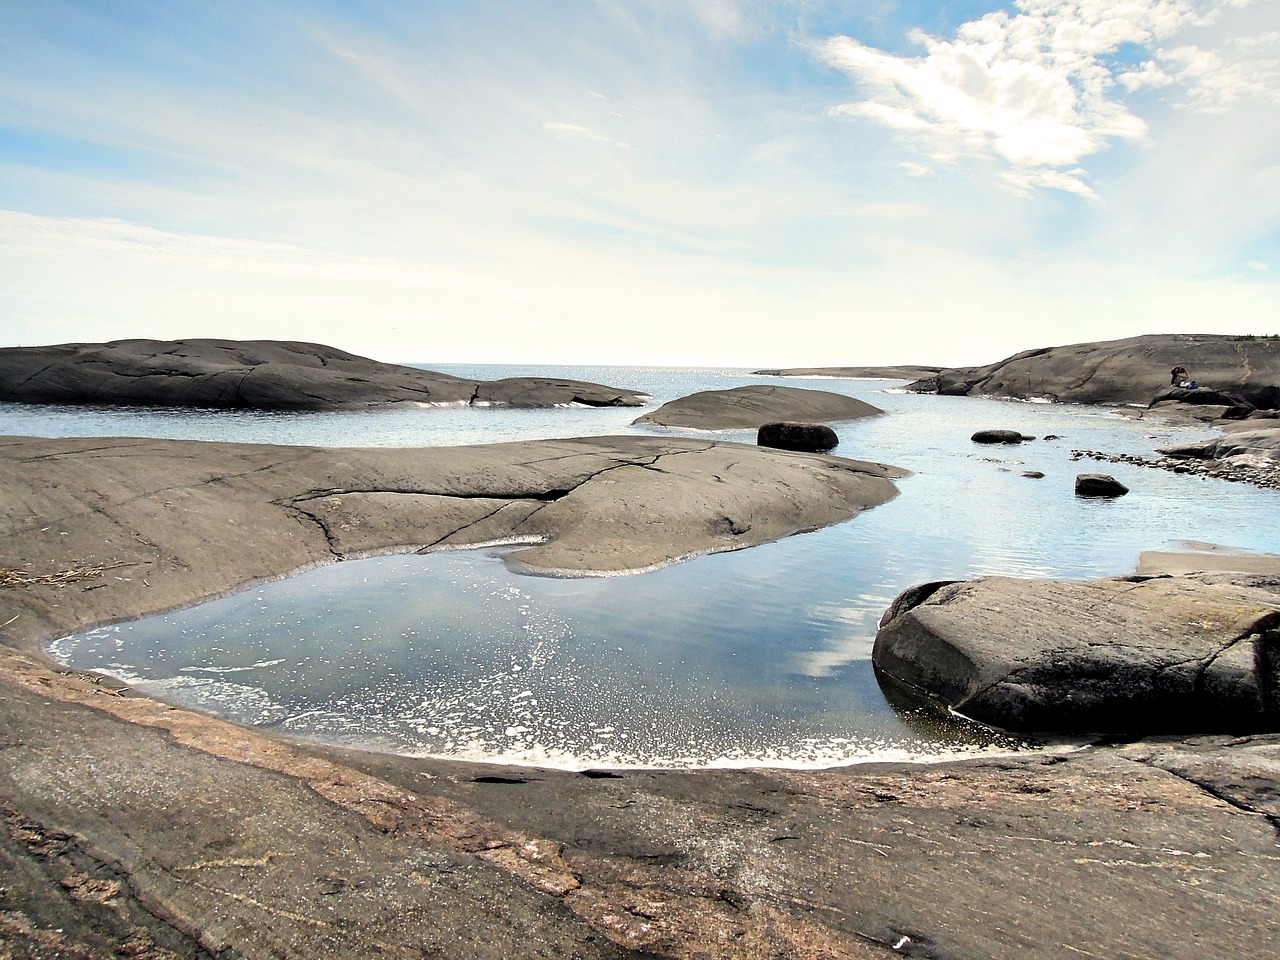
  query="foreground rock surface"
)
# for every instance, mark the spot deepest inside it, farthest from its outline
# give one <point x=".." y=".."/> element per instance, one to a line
<point x="1131" y="371"/>
<point x="1129" y="656"/>
<point x="133" y="828"/>
<point x="262" y="375"/>
<point x="749" y="408"/>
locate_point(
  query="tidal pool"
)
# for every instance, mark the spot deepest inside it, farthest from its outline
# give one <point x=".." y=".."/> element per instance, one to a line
<point x="760" y="657"/>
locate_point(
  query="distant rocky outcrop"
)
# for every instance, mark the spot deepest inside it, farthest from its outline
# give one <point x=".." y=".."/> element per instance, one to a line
<point x="262" y="375"/>
<point x="901" y="372"/>
<point x="1253" y="438"/>
<point x="1229" y="371"/>
<point x="750" y="407"/>
<point x="804" y="437"/>
<point x="1130" y="655"/>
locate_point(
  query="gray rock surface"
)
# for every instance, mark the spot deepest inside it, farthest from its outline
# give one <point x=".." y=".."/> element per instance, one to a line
<point x="1132" y="371"/>
<point x="1254" y="438"/>
<point x="805" y="437"/>
<point x="1099" y="485"/>
<point x="263" y="375"/>
<point x="1196" y="653"/>
<point x="133" y="828"/>
<point x="750" y="407"/>
<point x="900" y="372"/>
<point x="179" y="521"/>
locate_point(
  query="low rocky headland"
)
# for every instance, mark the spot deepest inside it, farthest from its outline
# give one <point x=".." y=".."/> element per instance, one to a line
<point x="1229" y="372"/>
<point x="901" y="372"/>
<point x="751" y="407"/>
<point x="1237" y="390"/>
<point x="264" y="375"/>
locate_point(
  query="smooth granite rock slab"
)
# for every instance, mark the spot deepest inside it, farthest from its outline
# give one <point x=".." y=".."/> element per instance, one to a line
<point x="1255" y="438"/>
<point x="1190" y="654"/>
<point x="169" y="522"/>
<point x="132" y="828"/>
<point x="1131" y="371"/>
<point x="751" y="407"/>
<point x="262" y="375"/>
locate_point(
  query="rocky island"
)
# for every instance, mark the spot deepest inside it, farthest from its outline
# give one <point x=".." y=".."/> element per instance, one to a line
<point x="751" y="407"/>
<point x="264" y="375"/>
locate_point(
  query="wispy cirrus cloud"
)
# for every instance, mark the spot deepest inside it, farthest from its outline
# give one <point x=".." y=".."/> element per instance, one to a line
<point x="1042" y="90"/>
<point x="585" y="133"/>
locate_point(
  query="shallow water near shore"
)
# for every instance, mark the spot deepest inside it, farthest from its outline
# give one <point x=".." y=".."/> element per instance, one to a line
<point x="754" y="657"/>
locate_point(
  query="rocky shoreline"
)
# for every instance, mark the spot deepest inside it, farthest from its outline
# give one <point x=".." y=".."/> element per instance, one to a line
<point x="1228" y="371"/>
<point x="134" y="828"/>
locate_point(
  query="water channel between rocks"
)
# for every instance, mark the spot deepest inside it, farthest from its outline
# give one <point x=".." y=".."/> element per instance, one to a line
<point x="754" y="657"/>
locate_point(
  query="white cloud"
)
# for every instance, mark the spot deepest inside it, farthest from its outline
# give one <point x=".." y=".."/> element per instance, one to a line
<point x="70" y="239"/>
<point x="1040" y="91"/>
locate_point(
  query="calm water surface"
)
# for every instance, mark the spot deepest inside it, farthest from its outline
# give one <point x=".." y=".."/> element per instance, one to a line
<point x="759" y="656"/>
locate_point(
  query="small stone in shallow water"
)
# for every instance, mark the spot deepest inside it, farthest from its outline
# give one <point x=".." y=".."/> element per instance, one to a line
<point x="998" y="436"/>
<point x="1099" y="485"/>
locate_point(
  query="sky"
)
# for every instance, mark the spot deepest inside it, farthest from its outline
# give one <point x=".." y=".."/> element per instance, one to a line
<point x="649" y="182"/>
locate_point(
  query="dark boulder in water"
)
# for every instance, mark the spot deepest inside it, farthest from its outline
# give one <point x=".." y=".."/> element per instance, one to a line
<point x="998" y="436"/>
<point x="790" y="435"/>
<point x="1099" y="485"/>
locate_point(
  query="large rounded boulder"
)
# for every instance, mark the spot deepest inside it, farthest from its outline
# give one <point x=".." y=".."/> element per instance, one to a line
<point x="792" y="435"/>
<point x="1129" y="656"/>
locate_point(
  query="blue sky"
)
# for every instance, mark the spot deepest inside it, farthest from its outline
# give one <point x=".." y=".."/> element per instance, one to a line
<point x="731" y="182"/>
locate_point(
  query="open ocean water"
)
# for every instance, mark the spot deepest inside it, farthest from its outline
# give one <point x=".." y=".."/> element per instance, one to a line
<point x="758" y="657"/>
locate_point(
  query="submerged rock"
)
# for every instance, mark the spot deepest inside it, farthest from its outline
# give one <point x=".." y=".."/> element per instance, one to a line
<point x="1128" y="655"/>
<point x="805" y="437"/>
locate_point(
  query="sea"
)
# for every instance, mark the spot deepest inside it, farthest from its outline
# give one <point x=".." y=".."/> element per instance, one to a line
<point x="759" y="657"/>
